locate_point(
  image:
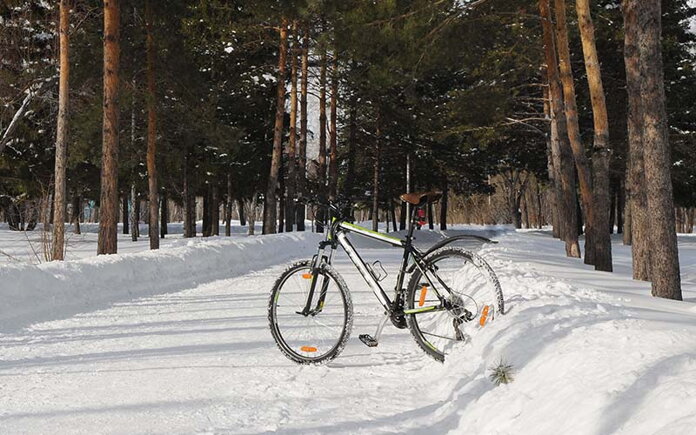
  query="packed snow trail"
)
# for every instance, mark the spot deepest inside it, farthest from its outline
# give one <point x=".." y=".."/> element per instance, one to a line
<point x="592" y="354"/>
<point x="203" y="360"/>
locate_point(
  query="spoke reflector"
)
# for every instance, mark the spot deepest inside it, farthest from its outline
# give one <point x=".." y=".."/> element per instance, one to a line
<point x="484" y="315"/>
<point x="307" y="275"/>
<point x="308" y="349"/>
<point x="424" y="290"/>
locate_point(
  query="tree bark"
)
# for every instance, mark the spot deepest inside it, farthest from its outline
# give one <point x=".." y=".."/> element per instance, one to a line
<point x="571" y="115"/>
<point x="302" y="162"/>
<point x="375" y="175"/>
<point x="164" y="215"/>
<point x="638" y="230"/>
<point x="152" y="194"/>
<point x="58" y="245"/>
<point x="228" y="207"/>
<point x="215" y="210"/>
<point x="352" y="137"/>
<point x="602" y="151"/>
<point x="561" y="150"/>
<point x="125" y="212"/>
<point x="240" y="211"/>
<point x="333" y="140"/>
<point x="134" y="214"/>
<point x="189" y="202"/>
<point x="270" y="203"/>
<point x="291" y="181"/>
<point x="76" y="213"/>
<point x="444" y="203"/>
<point x="664" y="258"/>
<point x="108" y="203"/>
<point x="321" y="159"/>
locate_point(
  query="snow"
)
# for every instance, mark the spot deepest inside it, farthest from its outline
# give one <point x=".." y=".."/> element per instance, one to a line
<point x="189" y="351"/>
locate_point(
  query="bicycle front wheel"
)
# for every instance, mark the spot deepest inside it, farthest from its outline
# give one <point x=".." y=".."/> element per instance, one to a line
<point x="319" y="333"/>
<point x="458" y="296"/>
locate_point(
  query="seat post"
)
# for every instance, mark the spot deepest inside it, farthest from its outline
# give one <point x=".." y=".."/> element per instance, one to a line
<point x="412" y="224"/>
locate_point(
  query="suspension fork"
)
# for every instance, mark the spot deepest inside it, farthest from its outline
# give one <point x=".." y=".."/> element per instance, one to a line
<point x="319" y="260"/>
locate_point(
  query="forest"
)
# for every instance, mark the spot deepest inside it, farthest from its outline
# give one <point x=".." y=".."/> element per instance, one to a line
<point x="576" y="114"/>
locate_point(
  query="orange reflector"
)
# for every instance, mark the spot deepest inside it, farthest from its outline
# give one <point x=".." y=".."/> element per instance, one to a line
<point x="424" y="290"/>
<point x="308" y="349"/>
<point x="484" y="315"/>
<point x="307" y="275"/>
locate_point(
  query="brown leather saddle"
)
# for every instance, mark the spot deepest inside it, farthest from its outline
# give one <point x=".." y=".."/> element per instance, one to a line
<point x="419" y="198"/>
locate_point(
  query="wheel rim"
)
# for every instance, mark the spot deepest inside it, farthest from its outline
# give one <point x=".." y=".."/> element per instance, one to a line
<point x="311" y="337"/>
<point x="472" y="304"/>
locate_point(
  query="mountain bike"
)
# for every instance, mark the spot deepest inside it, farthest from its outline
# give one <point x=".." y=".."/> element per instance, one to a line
<point x="451" y="294"/>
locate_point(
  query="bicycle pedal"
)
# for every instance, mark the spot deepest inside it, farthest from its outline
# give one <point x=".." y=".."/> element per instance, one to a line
<point x="368" y="340"/>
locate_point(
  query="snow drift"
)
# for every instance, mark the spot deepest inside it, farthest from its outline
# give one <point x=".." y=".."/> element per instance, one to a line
<point x="32" y="293"/>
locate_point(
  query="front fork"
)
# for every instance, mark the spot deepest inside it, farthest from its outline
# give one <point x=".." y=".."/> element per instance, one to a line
<point x="318" y="262"/>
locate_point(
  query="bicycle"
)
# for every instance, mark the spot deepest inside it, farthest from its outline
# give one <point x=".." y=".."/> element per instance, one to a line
<point x="451" y="293"/>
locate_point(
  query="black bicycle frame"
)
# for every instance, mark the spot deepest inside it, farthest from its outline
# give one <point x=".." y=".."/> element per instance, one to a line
<point x="337" y="235"/>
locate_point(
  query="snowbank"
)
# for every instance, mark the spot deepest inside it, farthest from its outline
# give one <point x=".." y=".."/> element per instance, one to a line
<point x="592" y="352"/>
<point x="30" y="293"/>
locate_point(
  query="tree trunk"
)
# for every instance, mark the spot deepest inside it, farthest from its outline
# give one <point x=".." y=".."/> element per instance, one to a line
<point x="240" y="210"/>
<point x="189" y="201"/>
<point x="125" y="212"/>
<point x="392" y="211"/>
<point x="562" y="154"/>
<point x="602" y="152"/>
<point x="228" y="207"/>
<point x="444" y="204"/>
<point x="375" y="176"/>
<point x="164" y="215"/>
<point x="291" y="181"/>
<point x="108" y="203"/>
<point x="664" y="258"/>
<point x="571" y="115"/>
<point x="134" y="214"/>
<point x="612" y="208"/>
<point x="620" y="207"/>
<point x="59" y="204"/>
<point x="321" y="159"/>
<point x="431" y="223"/>
<point x="215" y="211"/>
<point x="333" y="140"/>
<point x="206" y="213"/>
<point x="638" y="231"/>
<point x="302" y="163"/>
<point x="270" y="203"/>
<point x="152" y="194"/>
<point x="352" y="137"/>
<point x="281" y="205"/>
<point x="76" y="213"/>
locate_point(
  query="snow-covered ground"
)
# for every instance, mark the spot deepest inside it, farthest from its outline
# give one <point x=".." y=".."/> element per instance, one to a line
<point x="591" y="352"/>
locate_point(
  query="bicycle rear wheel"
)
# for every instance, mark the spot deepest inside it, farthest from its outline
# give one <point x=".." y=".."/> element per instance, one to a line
<point x="471" y="298"/>
<point x="317" y="336"/>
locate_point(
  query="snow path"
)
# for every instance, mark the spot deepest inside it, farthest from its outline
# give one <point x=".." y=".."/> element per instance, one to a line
<point x="592" y="354"/>
<point x="203" y="359"/>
